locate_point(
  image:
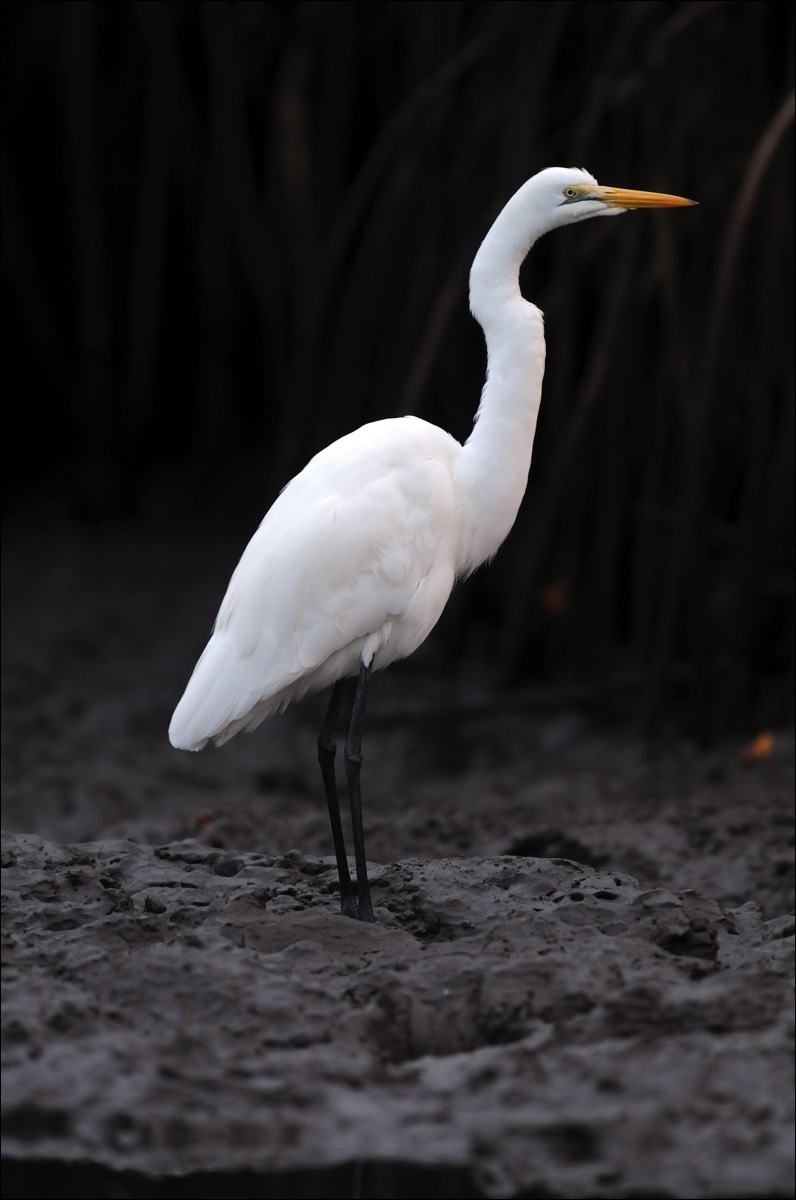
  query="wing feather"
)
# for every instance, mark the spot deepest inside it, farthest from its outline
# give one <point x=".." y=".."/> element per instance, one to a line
<point x="357" y="548"/>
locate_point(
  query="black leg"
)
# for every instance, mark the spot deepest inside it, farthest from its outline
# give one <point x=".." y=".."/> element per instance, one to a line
<point x="326" y="753"/>
<point x="353" y="763"/>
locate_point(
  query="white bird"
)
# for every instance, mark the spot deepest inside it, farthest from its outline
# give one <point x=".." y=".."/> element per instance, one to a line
<point x="352" y="566"/>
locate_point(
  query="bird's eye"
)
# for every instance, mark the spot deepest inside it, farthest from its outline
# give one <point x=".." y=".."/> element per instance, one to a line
<point x="570" y="193"/>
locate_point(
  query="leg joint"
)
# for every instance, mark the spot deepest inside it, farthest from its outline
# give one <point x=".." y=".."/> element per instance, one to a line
<point x="327" y="746"/>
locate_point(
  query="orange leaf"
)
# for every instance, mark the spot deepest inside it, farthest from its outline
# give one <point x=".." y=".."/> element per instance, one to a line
<point x="758" y="748"/>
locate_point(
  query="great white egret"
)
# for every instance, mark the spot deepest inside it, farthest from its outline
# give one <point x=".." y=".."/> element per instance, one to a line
<point x="354" y="562"/>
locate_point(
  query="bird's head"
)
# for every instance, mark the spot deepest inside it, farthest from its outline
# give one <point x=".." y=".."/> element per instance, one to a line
<point x="556" y="196"/>
<point x="571" y="194"/>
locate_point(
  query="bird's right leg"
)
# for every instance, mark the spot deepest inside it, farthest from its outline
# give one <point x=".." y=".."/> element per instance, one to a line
<point x="326" y="752"/>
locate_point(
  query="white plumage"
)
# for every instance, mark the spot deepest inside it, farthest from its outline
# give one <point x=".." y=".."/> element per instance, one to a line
<point x="357" y="557"/>
<point x="352" y="566"/>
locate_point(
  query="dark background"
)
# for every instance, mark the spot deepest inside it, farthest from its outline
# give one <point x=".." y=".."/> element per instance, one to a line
<point x="234" y="231"/>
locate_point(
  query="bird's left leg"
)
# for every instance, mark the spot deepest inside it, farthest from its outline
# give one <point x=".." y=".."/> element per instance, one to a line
<point x="326" y="753"/>
<point x="353" y="764"/>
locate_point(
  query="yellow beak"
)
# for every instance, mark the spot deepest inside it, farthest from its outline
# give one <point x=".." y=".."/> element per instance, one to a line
<point x="628" y="198"/>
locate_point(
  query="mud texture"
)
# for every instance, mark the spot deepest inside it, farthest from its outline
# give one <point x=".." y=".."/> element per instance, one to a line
<point x="579" y="985"/>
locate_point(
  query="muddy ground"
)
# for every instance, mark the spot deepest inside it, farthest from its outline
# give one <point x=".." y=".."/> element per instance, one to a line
<point x="579" y="985"/>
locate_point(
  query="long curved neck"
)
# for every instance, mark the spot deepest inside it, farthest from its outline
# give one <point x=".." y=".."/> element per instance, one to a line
<point x="492" y="472"/>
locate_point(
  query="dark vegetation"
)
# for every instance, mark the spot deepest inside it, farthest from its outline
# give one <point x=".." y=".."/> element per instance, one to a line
<point x="235" y="231"/>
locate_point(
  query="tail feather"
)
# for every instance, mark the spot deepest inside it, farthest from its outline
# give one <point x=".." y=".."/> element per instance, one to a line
<point x="219" y="701"/>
